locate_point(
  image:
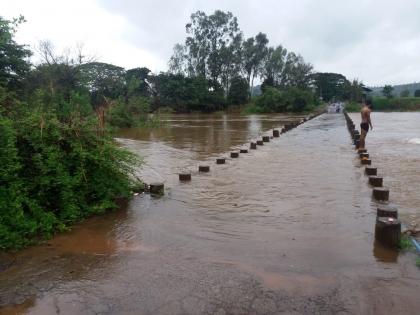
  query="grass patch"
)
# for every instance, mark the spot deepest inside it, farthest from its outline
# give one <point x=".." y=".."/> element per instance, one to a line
<point x="418" y="262"/>
<point x="405" y="243"/>
<point x="396" y="104"/>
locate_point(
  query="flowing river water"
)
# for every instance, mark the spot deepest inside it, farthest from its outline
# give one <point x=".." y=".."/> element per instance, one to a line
<point x="288" y="228"/>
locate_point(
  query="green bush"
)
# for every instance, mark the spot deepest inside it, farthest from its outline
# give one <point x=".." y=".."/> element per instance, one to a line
<point x="131" y="113"/>
<point x="297" y="100"/>
<point x="238" y="91"/>
<point x="274" y="100"/>
<point x="405" y="243"/>
<point x="54" y="173"/>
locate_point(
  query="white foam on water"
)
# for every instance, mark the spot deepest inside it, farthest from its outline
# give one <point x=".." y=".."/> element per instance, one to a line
<point x="414" y="141"/>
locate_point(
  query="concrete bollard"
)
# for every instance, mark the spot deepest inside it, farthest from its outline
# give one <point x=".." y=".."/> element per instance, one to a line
<point x="371" y="171"/>
<point x="376" y="181"/>
<point x="387" y="211"/>
<point x="260" y="142"/>
<point x="234" y="155"/>
<point x="157" y="188"/>
<point x="381" y="193"/>
<point x="364" y="155"/>
<point x="243" y="151"/>
<point x="366" y="161"/>
<point x="204" y="168"/>
<point x="266" y="139"/>
<point x="253" y="146"/>
<point x="388" y="231"/>
<point x="184" y="177"/>
<point x="221" y="161"/>
<point x="276" y="133"/>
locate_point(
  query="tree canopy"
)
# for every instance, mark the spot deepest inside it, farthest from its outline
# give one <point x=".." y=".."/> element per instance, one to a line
<point x="13" y="57"/>
<point x="214" y="49"/>
<point x="387" y="91"/>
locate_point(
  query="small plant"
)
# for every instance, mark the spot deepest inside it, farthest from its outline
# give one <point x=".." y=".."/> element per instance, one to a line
<point x="405" y="243"/>
<point x="138" y="186"/>
<point x="418" y="262"/>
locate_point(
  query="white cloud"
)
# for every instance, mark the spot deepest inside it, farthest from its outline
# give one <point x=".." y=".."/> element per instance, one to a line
<point x="66" y="23"/>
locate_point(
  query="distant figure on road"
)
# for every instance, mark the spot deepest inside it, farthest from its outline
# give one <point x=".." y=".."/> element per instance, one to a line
<point x="366" y="122"/>
<point x="337" y="107"/>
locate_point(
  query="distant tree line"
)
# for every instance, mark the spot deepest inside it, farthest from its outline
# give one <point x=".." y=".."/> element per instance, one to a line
<point x="216" y="52"/>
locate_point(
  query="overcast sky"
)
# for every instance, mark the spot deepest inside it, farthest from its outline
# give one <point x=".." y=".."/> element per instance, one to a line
<point x="376" y="41"/>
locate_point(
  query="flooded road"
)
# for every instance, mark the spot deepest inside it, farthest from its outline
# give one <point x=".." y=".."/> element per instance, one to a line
<point x="287" y="228"/>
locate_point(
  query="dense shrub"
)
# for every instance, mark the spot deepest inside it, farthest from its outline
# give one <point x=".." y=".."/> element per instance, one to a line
<point x="238" y="91"/>
<point x="131" y="113"/>
<point x="186" y="94"/>
<point x="54" y="173"/>
<point x="396" y="104"/>
<point x="288" y="100"/>
<point x="297" y="100"/>
<point x="272" y="100"/>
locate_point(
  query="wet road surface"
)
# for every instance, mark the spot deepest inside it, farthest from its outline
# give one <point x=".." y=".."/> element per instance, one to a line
<point x="284" y="229"/>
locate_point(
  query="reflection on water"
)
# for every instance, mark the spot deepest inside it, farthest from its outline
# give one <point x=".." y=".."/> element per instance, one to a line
<point x="289" y="226"/>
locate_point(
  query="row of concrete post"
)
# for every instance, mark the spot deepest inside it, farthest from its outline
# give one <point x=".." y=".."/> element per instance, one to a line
<point x="253" y="146"/>
<point x="387" y="227"/>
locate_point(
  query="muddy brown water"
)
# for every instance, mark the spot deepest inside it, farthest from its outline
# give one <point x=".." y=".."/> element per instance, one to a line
<point x="287" y="228"/>
<point x="394" y="147"/>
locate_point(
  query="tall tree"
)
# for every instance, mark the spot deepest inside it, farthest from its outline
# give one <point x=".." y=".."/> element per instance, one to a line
<point x="285" y="69"/>
<point x="104" y="81"/>
<point x="13" y="57"/>
<point x="353" y="91"/>
<point x="387" y="91"/>
<point x="330" y="85"/>
<point x="177" y="62"/>
<point x="297" y="72"/>
<point x="254" y="53"/>
<point x="274" y="65"/>
<point x="211" y="49"/>
<point x="137" y="81"/>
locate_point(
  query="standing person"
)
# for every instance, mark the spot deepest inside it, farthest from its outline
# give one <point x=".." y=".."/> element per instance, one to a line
<point x="366" y="122"/>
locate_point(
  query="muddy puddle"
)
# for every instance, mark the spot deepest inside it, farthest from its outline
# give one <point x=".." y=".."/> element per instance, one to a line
<point x="286" y="228"/>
